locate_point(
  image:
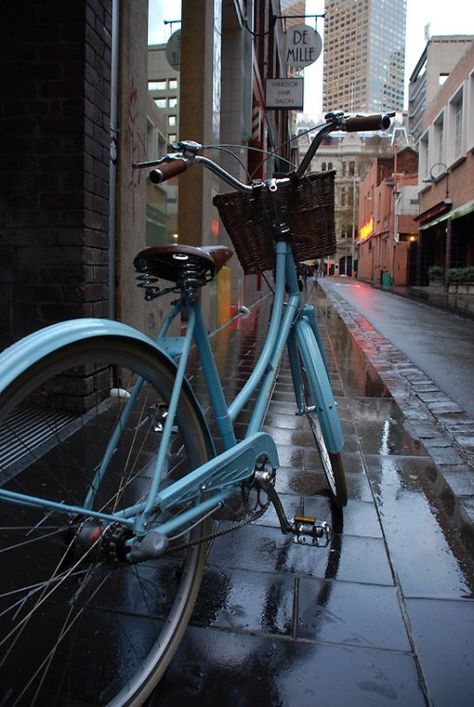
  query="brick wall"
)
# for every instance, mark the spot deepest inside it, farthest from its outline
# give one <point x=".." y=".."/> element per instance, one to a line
<point x="54" y="162"/>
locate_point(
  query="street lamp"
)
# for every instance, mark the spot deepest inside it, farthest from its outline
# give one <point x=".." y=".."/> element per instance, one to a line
<point x="433" y="180"/>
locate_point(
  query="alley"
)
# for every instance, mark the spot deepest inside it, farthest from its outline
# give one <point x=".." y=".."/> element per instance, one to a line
<point x="439" y="342"/>
<point x="385" y="613"/>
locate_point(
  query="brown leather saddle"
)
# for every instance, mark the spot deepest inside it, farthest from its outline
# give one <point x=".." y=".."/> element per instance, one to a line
<point x="169" y="261"/>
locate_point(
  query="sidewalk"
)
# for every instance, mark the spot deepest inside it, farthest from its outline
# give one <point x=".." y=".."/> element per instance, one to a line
<point x="385" y="612"/>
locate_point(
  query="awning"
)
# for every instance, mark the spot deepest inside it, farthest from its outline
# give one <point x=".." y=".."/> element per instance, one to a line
<point x="455" y="213"/>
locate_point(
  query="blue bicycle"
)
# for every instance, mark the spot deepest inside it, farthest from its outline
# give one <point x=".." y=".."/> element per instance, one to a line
<point x="111" y="486"/>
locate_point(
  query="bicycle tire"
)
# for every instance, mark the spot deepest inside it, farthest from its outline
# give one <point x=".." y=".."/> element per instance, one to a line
<point x="102" y="632"/>
<point x="317" y="396"/>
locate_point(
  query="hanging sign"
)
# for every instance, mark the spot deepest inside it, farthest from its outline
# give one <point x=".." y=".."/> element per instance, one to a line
<point x="284" y="94"/>
<point x="173" y="50"/>
<point x="303" y="46"/>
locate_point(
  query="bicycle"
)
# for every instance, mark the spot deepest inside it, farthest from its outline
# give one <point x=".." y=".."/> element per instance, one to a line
<point x="110" y="480"/>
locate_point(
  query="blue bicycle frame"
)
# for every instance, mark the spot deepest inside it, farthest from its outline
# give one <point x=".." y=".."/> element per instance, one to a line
<point x="206" y="487"/>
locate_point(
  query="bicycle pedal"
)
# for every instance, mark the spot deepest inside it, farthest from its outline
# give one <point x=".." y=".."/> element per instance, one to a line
<point x="307" y="530"/>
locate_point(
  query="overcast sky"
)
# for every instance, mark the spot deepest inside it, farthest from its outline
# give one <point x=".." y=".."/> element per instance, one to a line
<point x="444" y="17"/>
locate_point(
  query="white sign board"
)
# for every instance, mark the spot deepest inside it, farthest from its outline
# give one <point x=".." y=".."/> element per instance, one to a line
<point x="173" y="50"/>
<point x="284" y="94"/>
<point x="303" y="46"/>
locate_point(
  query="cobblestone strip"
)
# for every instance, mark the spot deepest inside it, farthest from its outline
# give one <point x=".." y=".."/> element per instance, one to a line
<point x="444" y="429"/>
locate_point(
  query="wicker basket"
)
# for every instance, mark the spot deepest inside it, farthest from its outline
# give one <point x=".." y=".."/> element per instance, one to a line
<point x="307" y="206"/>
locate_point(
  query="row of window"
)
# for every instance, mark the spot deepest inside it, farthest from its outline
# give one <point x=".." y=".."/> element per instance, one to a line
<point x="166" y="102"/>
<point x="446" y="140"/>
<point x="348" y="169"/>
<point x="163" y="85"/>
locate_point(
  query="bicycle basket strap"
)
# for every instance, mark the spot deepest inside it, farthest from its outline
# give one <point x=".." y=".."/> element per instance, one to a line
<point x="308" y="207"/>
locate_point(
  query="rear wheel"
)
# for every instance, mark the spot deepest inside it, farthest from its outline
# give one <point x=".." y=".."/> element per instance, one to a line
<point x="79" y="623"/>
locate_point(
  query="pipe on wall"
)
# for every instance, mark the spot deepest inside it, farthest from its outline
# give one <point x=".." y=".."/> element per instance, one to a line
<point x="113" y="154"/>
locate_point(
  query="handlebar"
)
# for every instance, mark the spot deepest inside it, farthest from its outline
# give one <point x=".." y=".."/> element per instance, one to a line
<point x="174" y="164"/>
<point x="168" y="170"/>
<point x="367" y="122"/>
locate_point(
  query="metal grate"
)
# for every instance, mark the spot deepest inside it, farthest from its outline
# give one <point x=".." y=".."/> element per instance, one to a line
<point x="30" y="431"/>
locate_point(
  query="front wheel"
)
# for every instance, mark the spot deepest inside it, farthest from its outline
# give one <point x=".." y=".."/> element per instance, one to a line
<point x="79" y="625"/>
<point x="320" y="409"/>
<point x="332" y="463"/>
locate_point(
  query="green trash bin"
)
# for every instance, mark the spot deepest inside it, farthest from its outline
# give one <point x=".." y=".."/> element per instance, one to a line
<point x="386" y="280"/>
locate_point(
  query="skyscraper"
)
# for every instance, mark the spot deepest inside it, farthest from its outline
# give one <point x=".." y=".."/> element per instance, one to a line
<point x="364" y="55"/>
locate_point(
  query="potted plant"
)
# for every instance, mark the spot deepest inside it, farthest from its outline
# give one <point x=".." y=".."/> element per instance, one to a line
<point x="436" y="276"/>
<point x="461" y="280"/>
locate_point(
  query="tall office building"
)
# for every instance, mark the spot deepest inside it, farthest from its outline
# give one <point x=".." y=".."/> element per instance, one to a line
<point x="364" y="55"/>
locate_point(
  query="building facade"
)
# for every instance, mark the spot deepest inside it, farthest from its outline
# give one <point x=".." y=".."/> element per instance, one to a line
<point x="364" y="55"/>
<point x="77" y="116"/>
<point x="388" y="205"/>
<point x="55" y="169"/>
<point x="350" y="155"/>
<point x="163" y="91"/>
<point x="438" y="59"/>
<point x="446" y="175"/>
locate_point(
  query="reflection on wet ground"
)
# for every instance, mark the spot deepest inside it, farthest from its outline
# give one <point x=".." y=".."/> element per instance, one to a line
<point x="385" y="613"/>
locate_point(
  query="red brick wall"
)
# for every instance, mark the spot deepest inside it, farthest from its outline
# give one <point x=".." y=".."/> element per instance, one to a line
<point x="54" y="117"/>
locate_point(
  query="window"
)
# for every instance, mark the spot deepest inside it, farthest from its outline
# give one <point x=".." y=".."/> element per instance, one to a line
<point x="438" y="138"/>
<point x="172" y="121"/>
<point x="160" y="102"/>
<point x="160" y="85"/>
<point x="351" y="168"/>
<point x="458" y="125"/>
<point x="323" y="167"/>
<point x="423" y="157"/>
<point x="172" y="102"/>
<point x="151" y="140"/>
<point x="173" y="84"/>
<point x="330" y="167"/>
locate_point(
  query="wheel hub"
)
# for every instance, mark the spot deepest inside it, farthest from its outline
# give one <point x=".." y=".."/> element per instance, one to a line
<point x="92" y="542"/>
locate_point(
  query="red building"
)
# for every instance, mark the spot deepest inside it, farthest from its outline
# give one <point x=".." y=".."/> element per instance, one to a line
<point x="446" y="178"/>
<point x="388" y="204"/>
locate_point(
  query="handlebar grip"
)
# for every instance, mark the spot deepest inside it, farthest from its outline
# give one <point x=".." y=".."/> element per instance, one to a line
<point x="167" y="170"/>
<point x="367" y="122"/>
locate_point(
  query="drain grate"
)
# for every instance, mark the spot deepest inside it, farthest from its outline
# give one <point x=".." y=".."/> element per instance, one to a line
<point x="30" y="432"/>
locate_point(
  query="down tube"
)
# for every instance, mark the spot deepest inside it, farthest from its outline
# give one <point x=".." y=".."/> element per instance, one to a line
<point x="326" y="406"/>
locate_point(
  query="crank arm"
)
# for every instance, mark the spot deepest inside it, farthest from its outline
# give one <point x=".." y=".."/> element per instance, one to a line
<point x="306" y="530"/>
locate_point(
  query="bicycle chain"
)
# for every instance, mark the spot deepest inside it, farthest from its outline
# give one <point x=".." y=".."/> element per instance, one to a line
<point x="218" y="533"/>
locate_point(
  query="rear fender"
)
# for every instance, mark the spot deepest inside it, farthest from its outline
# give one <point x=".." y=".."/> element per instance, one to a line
<point x="18" y="358"/>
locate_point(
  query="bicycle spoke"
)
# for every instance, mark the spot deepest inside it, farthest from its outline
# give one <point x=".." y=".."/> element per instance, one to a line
<point x="64" y="578"/>
<point x="66" y="628"/>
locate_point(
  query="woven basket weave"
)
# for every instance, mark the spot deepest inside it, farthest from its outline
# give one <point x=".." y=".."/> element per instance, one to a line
<point x="307" y="206"/>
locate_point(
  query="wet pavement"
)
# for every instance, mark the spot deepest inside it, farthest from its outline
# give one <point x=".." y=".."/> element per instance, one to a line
<point x="425" y="358"/>
<point x="385" y="613"/>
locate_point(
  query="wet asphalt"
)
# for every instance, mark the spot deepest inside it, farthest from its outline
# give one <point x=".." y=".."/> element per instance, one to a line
<point x="385" y="613"/>
<point x="437" y="341"/>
